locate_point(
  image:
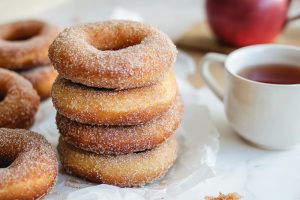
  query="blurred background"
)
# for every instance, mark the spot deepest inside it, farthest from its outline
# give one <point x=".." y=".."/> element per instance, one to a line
<point x="174" y="17"/>
<point x="185" y="21"/>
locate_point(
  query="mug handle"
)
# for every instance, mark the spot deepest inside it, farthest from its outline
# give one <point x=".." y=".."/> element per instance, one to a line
<point x="290" y="19"/>
<point x="207" y="75"/>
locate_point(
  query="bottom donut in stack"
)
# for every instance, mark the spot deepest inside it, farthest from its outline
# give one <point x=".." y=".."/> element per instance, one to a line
<point x="128" y="170"/>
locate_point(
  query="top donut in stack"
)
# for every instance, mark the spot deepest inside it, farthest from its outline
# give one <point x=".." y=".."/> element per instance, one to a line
<point x="24" y="49"/>
<point x="115" y="95"/>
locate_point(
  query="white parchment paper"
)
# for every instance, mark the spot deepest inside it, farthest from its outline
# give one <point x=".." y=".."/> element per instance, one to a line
<point x="198" y="146"/>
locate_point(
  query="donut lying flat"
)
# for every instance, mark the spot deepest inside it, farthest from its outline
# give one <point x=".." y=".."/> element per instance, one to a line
<point x="18" y="101"/>
<point x="121" y="139"/>
<point x="24" y="44"/>
<point x="41" y="79"/>
<point x="135" y="169"/>
<point x="110" y="107"/>
<point x="116" y="54"/>
<point x="28" y="165"/>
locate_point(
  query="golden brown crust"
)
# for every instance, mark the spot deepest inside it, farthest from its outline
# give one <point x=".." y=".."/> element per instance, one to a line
<point x="33" y="166"/>
<point x="121" y="139"/>
<point x="135" y="169"/>
<point x="110" y="107"/>
<point x="41" y="78"/>
<point x="24" y="44"/>
<point x="115" y="54"/>
<point x="19" y="101"/>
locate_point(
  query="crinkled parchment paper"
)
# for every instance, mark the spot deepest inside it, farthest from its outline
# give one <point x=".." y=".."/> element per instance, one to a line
<point x="198" y="146"/>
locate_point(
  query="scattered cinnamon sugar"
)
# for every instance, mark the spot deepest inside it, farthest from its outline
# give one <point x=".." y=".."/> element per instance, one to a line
<point x="230" y="196"/>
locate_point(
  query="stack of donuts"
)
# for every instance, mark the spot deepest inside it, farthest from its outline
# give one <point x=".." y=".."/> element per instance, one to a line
<point x="117" y="102"/>
<point x="24" y="49"/>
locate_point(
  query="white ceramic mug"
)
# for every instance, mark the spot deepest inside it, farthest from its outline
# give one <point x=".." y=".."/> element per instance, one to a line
<point x="267" y="115"/>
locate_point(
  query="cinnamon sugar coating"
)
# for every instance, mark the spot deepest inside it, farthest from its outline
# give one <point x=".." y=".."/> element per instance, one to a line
<point x="129" y="170"/>
<point x="115" y="54"/>
<point x="18" y="101"/>
<point x="30" y="165"/>
<point x="110" y="107"/>
<point x="41" y="78"/>
<point x="24" y="44"/>
<point x="117" y="102"/>
<point x="121" y="139"/>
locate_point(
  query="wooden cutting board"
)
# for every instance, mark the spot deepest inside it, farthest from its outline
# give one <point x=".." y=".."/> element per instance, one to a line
<point x="201" y="38"/>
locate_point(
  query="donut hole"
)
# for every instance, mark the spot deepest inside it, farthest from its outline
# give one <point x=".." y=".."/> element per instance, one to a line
<point x="23" y="33"/>
<point x="116" y="44"/>
<point x="115" y="40"/>
<point x="3" y="93"/>
<point x="8" y="155"/>
<point x="6" y="162"/>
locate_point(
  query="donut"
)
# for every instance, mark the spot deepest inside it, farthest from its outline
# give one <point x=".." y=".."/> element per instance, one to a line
<point x="24" y="44"/>
<point x="41" y="78"/>
<point x="110" y="107"/>
<point x="129" y="170"/>
<point x="28" y="165"/>
<point x="115" y="54"/>
<point x="18" y="101"/>
<point x="121" y="139"/>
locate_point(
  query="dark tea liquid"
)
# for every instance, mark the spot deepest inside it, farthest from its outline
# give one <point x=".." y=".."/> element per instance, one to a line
<point x="273" y="73"/>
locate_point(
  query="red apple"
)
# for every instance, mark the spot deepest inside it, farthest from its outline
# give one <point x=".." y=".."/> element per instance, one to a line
<point x="246" y="22"/>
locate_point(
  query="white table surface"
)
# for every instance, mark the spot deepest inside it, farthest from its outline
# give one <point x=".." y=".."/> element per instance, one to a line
<point x="252" y="172"/>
